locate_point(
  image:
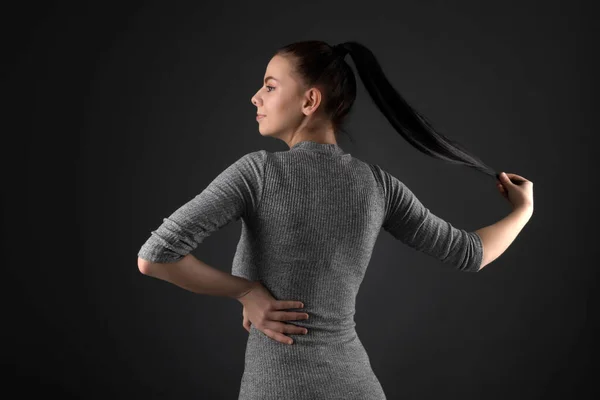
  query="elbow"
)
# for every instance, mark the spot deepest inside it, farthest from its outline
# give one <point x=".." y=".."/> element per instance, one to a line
<point x="480" y="266"/>
<point x="483" y="264"/>
<point x="471" y="266"/>
<point x="484" y="261"/>
<point x="144" y="266"/>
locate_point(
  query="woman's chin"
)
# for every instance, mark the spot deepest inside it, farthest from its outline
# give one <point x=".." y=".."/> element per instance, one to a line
<point x="264" y="132"/>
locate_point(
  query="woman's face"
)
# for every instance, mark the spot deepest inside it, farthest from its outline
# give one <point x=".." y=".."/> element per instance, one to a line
<point x="283" y="102"/>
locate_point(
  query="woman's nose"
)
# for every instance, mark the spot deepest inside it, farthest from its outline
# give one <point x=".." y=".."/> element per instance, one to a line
<point x="254" y="99"/>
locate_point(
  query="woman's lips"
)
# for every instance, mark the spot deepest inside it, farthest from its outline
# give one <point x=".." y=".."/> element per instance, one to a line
<point x="259" y="117"/>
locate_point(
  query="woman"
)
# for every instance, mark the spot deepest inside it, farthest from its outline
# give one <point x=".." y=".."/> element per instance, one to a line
<point x="310" y="218"/>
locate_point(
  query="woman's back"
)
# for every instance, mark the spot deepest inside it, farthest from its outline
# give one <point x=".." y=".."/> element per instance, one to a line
<point x="312" y="235"/>
<point x="310" y="219"/>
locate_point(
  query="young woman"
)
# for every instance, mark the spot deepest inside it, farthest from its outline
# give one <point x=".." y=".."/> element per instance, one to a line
<point x="310" y="218"/>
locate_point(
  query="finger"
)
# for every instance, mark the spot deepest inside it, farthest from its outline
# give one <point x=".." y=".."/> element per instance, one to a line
<point x="517" y="179"/>
<point x="291" y="329"/>
<point x="287" y="328"/>
<point x="286" y="315"/>
<point x="279" y="337"/>
<point x="505" y="179"/>
<point x="512" y="180"/>
<point x="510" y="175"/>
<point x="286" y="304"/>
<point x="501" y="189"/>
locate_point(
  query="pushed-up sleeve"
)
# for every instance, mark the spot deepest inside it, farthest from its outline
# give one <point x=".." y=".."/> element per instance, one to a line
<point x="409" y="221"/>
<point x="233" y="194"/>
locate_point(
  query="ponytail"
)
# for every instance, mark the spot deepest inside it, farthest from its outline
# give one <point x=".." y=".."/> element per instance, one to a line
<point x="407" y="121"/>
<point x="318" y="63"/>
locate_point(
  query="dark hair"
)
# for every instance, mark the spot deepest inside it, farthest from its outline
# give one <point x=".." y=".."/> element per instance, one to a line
<point x="319" y="64"/>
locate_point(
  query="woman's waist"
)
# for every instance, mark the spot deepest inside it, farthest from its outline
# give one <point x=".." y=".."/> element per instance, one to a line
<point x="317" y="335"/>
<point x="327" y="350"/>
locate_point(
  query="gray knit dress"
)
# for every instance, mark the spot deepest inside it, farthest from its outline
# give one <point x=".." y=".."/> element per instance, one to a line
<point x="310" y="218"/>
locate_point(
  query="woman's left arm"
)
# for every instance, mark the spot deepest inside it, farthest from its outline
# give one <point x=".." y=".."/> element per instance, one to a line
<point x="234" y="193"/>
<point x="196" y="276"/>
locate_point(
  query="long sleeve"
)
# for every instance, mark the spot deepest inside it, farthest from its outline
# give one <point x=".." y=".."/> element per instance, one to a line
<point x="234" y="193"/>
<point x="409" y="221"/>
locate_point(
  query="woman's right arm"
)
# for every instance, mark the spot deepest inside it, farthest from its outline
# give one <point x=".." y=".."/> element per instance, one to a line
<point x="409" y="221"/>
<point x="497" y="237"/>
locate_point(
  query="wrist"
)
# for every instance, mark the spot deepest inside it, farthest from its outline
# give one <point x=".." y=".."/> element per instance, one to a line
<point x="245" y="290"/>
<point x="524" y="211"/>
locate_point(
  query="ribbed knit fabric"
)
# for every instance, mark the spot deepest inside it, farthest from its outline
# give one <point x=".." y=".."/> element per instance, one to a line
<point x="310" y="218"/>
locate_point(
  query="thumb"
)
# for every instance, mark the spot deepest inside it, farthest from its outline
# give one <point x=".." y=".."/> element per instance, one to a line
<point x="505" y="180"/>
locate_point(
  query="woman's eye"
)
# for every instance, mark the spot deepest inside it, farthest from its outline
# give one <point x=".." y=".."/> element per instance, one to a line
<point x="269" y="87"/>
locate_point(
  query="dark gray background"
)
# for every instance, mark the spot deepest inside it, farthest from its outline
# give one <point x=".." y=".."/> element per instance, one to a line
<point x="117" y="115"/>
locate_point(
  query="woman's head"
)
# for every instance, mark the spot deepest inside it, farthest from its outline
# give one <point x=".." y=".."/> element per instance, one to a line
<point x="313" y="91"/>
<point x="307" y="91"/>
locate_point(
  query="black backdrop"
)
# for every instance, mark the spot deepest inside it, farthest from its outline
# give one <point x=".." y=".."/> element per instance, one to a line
<point x="115" y="115"/>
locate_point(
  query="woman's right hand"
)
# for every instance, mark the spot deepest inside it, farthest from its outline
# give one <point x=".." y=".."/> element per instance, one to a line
<point x="263" y="311"/>
<point x="518" y="194"/>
